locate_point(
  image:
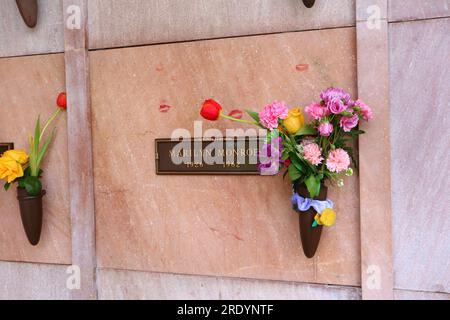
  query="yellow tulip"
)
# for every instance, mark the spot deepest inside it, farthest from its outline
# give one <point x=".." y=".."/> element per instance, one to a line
<point x="17" y="155"/>
<point x="294" y="121"/>
<point x="10" y="169"/>
<point x="326" y="218"/>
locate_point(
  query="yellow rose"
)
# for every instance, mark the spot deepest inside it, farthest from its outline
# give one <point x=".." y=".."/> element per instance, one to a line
<point x="327" y="218"/>
<point x="16" y="155"/>
<point x="10" y="169"/>
<point x="294" y="121"/>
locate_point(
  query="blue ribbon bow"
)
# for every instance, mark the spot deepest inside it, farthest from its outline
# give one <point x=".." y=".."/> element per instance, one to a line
<point x="303" y="204"/>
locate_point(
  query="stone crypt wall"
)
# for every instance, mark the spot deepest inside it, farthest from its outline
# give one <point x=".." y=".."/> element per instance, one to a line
<point x="237" y="226"/>
<point x="219" y="237"/>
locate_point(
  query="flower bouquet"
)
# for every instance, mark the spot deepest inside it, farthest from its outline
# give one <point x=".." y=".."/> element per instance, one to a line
<point x="312" y="154"/>
<point x="25" y="169"/>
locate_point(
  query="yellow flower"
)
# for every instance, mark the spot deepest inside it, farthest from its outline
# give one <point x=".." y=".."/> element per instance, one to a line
<point x="17" y="155"/>
<point x="294" y="121"/>
<point x="10" y="169"/>
<point x="327" y="218"/>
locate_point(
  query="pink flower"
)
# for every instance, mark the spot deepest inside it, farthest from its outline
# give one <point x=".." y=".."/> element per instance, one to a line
<point x="312" y="153"/>
<point x="271" y="113"/>
<point x="365" y="110"/>
<point x="335" y="93"/>
<point x="325" y="129"/>
<point x="317" y="111"/>
<point x="335" y="99"/>
<point x="336" y="105"/>
<point x="348" y="123"/>
<point x="338" y="160"/>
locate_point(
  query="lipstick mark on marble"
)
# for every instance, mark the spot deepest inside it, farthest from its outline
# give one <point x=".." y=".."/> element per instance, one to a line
<point x="236" y="114"/>
<point x="302" y="67"/>
<point x="164" y="108"/>
<point x="215" y="230"/>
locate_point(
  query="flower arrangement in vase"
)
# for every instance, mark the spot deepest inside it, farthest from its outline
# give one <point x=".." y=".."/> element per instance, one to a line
<point x="314" y="154"/>
<point x="18" y="166"/>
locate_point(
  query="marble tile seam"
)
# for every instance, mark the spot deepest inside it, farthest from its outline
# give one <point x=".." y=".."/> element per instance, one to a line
<point x="35" y="263"/>
<point x="31" y="55"/>
<point x="417" y="20"/>
<point x="419" y="290"/>
<point x="353" y="25"/>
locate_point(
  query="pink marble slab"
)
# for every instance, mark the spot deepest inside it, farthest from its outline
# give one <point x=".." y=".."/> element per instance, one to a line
<point x="116" y="23"/>
<point x="418" y="9"/>
<point x="29" y="87"/>
<point x="420" y="68"/>
<point x="212" y="225"/>
<point x="375" y="166"/>
<point x="134" y="285"/>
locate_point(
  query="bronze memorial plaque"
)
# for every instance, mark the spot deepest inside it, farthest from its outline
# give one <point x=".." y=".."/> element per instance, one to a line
<point x="207" y="156"/>
<point x="5" y="147"/>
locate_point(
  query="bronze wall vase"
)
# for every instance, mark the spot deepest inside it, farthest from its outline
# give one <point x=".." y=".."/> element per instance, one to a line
<point x="31" y="214"/>
<point x="5" y="147"/>
<point x="309" y="235"/>
<point x="29" y="11"/>
<point x="309" y="3"/>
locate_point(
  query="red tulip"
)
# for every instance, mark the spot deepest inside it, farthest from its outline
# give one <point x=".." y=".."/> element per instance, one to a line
<point x="61" y="101"/>
<point x="211" y="110"/>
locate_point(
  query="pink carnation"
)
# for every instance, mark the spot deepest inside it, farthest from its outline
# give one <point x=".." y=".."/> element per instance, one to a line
<point x="271" y="113"/>
<point x="348" y="123"/>
<point x="366" y="111"/>
<point x="325" y="129"/>
<point x="338" y="160"/>
<point x="312" y="153"/>
<point x="317" y="111"/>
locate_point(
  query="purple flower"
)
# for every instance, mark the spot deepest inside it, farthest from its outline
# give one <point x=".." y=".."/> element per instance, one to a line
<point x="348" y="123"/>
<point x="332" y="93"/>
<point x="269" y="157"/>
<point x="335" y="99"/>
<point x="336" y="106"/>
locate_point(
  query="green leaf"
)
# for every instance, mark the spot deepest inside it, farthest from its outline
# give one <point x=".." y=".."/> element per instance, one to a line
<point x="42" y="152"/>
<point x="306" y="131"/>
<point x="6" y="186"/>
<point x="294" y="174"/>
<point x="37" y="134"/>
<point x="355" y="133"/>
<point x="313" y="186"/>
<point x="272" y="135"/>
<point x="253" y="114"/>
<point x="297" y="164"/>
<point x="32" y="185"/>
<point x="285" y="154"/>
<point x="21" y="182"/>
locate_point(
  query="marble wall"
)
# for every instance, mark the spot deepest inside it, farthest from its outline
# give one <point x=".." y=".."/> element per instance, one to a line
<point x="420" y="102"/>
<point x="160" y="234"/>
<point x="217" y="225"/>
<point x="29" y="86"/>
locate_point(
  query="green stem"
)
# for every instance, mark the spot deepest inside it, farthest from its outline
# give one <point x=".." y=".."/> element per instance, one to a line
<point x="55" y="114"/>
<point x="238" y="120"/>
